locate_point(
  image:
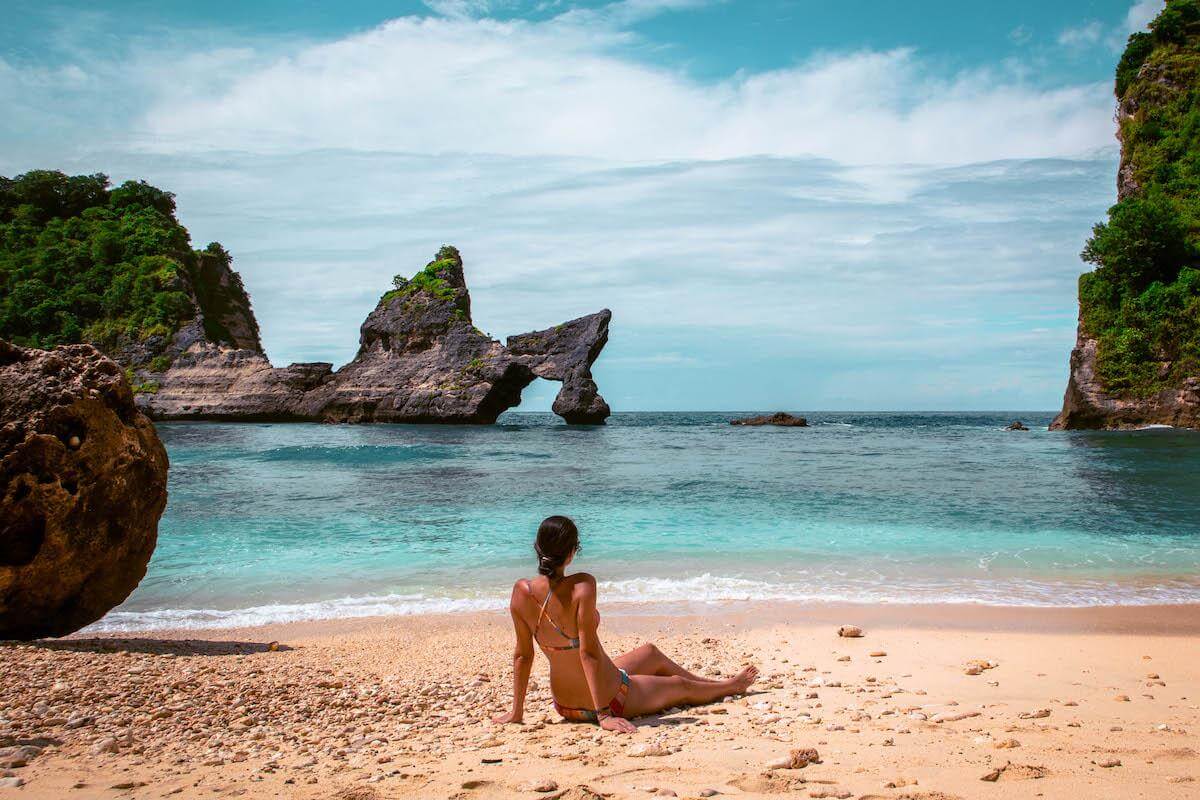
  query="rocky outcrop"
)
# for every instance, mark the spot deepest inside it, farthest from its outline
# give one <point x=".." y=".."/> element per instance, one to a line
<point x="779" y="418"/>
<point x="83" y="482"/>
<point x="1143" y="346"/>
<point x="566" y="353"/>
<point x="420" y="360"/>
<point x="1088" y="405"/>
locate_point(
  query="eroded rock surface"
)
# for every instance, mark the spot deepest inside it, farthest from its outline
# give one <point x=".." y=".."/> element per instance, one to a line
<point x="1087" y="404"/>
<point x="779" y="418"/>
<point x="83" y="482"/>
<point x="420" y="360"/>
<point x="566" y="353"/>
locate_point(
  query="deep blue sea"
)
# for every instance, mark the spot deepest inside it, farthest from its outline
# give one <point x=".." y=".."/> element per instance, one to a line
<point x="274" y="522"/>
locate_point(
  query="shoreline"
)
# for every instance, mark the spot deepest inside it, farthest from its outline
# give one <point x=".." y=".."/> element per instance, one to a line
<point x="1171" y="619"/>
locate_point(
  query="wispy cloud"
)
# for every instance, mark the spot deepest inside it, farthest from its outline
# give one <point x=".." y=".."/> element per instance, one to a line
<point x="1085" y="35"/>
<point x="563" y="88"/>
<point x="1141" y="13"/>
<point x="1093" y="33"/>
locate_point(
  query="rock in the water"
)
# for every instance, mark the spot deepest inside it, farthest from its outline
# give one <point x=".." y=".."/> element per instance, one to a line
<point x="779" y="418"/>
<point x="1016" y="425"/>
<point x="420" y="359"/>
<point x="83" y="482"/>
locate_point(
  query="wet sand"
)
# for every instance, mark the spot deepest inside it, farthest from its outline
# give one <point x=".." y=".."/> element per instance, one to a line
<point x="1095" y="703"/>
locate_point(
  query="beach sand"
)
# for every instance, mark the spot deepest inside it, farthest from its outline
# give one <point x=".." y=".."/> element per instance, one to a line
<point x="1088" y="703"/>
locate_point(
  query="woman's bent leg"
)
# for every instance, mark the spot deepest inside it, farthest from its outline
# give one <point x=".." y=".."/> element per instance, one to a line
<point x="649" y="660"/>
<point x="649" y="694"/>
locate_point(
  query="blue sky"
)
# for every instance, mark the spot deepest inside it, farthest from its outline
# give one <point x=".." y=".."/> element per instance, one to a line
<point x="801" y="205"/>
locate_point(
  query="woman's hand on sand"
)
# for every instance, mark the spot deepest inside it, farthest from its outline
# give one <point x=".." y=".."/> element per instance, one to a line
<point x="507" y="717"/>
<point x="618" y="724"/>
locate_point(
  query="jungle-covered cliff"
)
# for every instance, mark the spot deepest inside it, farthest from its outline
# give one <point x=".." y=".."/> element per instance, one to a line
<point x="1137" y="355"/>
<point x="81" y="261"/>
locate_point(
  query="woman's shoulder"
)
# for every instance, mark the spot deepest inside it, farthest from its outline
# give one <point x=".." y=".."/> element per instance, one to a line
<point x="583" y="582"/>
<point x="522" y="587"/>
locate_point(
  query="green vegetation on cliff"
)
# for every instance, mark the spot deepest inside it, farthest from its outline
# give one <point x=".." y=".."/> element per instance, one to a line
<point x="1142" y="302"/>
<point x="82" y="262"/>
<point x="431" y="281"/>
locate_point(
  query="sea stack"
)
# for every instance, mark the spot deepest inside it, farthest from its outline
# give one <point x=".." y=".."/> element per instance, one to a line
<point x="83" y="482"/>
<point x="420" y="360"/>
<point x="1136" y="359"/>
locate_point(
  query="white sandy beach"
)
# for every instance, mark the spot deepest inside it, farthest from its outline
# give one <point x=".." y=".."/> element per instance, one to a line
<point x="1096" y="703"/>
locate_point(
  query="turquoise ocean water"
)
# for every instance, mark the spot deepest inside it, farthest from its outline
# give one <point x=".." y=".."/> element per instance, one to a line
<point x="270" y="522"/>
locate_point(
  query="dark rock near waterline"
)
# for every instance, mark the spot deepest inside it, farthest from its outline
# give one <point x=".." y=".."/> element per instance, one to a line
<point x="1087" y="404"/>
<point x="420" y="360"/>
<point x="779" y="418"/>
<point x="1016" y="425"/>
<point x="83" y="482"/>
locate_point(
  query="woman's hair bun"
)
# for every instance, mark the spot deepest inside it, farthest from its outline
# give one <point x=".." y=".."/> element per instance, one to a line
<point x="557" y="539"/>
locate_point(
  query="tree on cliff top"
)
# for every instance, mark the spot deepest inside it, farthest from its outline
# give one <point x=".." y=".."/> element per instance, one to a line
<point x="1142" y="302"/>
<point x="82" y="262"/>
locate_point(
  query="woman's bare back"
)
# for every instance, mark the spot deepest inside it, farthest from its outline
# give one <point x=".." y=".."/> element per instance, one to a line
<point x="551" y="613"/>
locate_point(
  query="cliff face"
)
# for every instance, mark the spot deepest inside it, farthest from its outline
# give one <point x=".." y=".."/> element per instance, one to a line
<point x="1088" y="405"/>
<point x="1136" y="359"/>
<point x="420" y="359"/>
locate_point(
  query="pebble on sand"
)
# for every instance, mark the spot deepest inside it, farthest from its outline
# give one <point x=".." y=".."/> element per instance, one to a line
<point x="647" y="749"/>
<point x="850" y="632"/>
<point x="543" y="787"/>
<point x="108" y="745"/>
<point x="797" y="759"/>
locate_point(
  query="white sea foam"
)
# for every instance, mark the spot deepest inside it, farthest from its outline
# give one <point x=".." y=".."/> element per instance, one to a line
<point x="340" y="608"/>
<point x="681" y="595"/>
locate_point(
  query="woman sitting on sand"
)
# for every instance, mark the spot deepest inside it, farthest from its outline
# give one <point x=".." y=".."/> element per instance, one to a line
<point x="559" y="612"/>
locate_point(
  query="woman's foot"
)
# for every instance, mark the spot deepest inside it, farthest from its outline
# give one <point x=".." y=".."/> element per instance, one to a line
<point x="743" y="679"/>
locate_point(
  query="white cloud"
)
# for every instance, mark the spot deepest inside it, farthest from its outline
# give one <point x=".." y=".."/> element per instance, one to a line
<point x="1092" y="32"/>
<point x="460" y="8"/>
<point x="566" y="89"/>
<point x="1020" y="35"/>
<point x="1141" y="13"/>
<point x="1085" y="35"/>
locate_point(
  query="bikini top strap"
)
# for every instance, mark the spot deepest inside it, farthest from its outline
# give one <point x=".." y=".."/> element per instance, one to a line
<point x="550" y="618"/>
<point x="542" y="612"/>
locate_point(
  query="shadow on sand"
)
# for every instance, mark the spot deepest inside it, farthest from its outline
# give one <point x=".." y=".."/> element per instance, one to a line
<point x="178" y="647"/>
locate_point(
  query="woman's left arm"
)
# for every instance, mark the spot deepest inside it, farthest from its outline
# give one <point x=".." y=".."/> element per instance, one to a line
<point x="522" y="660"/>
<point x="591" y="654"/>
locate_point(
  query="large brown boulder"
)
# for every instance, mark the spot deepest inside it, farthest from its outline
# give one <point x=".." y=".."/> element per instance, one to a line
<point x="83" y="482"/>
